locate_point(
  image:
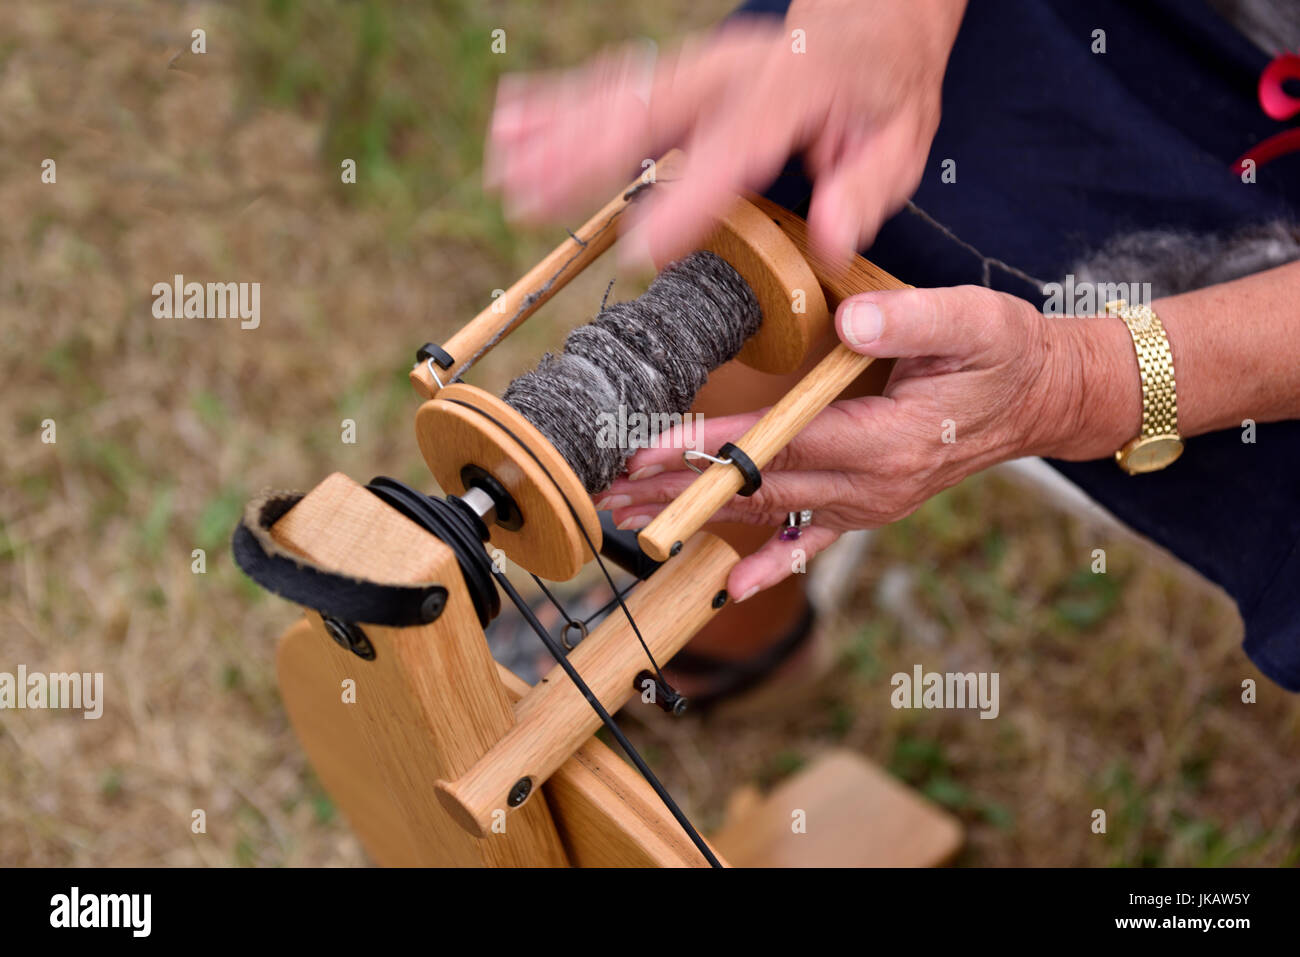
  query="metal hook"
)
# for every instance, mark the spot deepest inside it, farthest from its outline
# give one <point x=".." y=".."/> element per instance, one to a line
<point x="433" y="372"/>
<point x="697" y="454"/>
<point x="564" y="634"/>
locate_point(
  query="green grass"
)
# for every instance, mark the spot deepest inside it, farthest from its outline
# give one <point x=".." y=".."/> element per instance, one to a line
<point x="403" y="90"/>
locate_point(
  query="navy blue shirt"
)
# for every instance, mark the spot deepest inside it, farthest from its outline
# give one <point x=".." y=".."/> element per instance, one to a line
<point x="1059" y="149"/>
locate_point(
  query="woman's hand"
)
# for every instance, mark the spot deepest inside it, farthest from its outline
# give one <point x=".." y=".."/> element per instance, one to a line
<point x="858" y="92"/>
<point x="982" y="377"/>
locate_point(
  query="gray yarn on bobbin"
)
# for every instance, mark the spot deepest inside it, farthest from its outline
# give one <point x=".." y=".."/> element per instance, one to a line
<point x="649" y="355"/>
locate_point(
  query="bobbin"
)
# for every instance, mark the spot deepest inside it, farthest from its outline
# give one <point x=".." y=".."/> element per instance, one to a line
<point x="462" y="428"/>
<point x="468" y="429"/>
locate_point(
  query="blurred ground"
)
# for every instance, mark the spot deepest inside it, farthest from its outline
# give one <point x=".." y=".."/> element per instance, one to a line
<point x="1119" y="691"/>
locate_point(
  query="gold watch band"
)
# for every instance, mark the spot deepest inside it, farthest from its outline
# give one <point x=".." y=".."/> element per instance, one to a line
<point x="1159" y="391"/>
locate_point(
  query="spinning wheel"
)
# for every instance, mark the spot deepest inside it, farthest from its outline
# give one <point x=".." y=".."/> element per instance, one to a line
<point x="444" y="757"/>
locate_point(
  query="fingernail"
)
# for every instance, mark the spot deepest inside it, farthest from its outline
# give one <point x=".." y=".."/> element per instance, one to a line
<point x="748" y="594"/>
<point x="861" y="323"/>
<point x="634" y="524"/>
<point x="611" y="502"/>
<point x="646" y="472"/>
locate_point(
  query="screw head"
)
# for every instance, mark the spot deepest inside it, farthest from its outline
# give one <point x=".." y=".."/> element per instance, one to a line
<point x="677" y="547"/>
<point x="433" y="604"/>
<point x="720" y="599"/>
<point x="336" y="630"/>
<point x="350" y="636"/>
<point x="519" y="793"/>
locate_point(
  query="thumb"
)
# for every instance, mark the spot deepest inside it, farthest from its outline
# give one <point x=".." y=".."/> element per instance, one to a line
<point x="912" y="323"/>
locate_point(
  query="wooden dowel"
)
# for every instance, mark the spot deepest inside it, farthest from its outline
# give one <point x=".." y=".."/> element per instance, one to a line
<point x="689" y="512"/>
<point x="537" y="286"/>
<point x="553" y="719"/>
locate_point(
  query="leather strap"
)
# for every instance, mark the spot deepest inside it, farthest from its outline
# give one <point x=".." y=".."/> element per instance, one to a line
<point x="332" y="593"/>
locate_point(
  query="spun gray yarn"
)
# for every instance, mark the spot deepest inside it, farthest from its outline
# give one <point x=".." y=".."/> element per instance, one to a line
<point x="649" y="355"/>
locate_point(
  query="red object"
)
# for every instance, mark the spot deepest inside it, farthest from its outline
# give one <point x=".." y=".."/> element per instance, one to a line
<point x="1275" y="100"/>
<point x="1279" y="105"/>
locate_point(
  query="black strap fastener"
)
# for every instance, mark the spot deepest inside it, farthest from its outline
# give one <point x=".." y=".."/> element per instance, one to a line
<point x="431" y="350"/>
<point x="745" y="465"/>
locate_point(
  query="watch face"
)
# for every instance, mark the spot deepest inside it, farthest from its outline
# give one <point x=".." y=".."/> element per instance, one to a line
<point x="1152" y="453"/>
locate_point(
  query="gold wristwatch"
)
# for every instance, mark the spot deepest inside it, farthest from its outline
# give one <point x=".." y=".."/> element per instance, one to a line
<point x="1158" y="444"/>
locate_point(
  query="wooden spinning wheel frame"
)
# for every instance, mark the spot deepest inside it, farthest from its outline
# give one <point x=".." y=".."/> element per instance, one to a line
<point x="443" y="757"/>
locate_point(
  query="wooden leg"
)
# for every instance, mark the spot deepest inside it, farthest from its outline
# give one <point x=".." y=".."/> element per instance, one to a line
<point x="309" y="667"/>
<point x="430" y="704"/>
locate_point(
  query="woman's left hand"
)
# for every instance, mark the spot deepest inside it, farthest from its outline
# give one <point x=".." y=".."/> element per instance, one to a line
<point x="982" y="377"/>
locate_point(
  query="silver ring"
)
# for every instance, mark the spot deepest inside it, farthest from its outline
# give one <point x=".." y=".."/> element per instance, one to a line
<point x="795" y="523"/>
<point x="580" y="626"/>
<point x="696" y="454"/>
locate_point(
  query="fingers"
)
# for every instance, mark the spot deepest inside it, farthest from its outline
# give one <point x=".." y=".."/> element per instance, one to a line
<point x="723" y="157"/>
<point x="855" y="193"/>
<point x="557" y="139"/>
<point x="777" y="560"/>
<point x="913" y="323"/>
<point x="634" y="504"/>
<point x="703" y="434"/>
<point x="841" y="432"/>
<point x="520" y="109"/>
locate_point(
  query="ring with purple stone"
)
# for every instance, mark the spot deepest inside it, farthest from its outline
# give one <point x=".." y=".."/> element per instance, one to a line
<point x="795" y="523"/>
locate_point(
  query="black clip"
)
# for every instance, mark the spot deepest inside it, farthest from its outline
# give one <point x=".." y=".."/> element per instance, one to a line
<point x="745" y="465"/>
<point x="349" y="635"/>
<point x="431" y="350"/>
